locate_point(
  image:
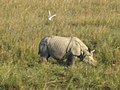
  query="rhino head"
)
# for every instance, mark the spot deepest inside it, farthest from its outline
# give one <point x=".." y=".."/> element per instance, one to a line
<point x="87" y="57"/>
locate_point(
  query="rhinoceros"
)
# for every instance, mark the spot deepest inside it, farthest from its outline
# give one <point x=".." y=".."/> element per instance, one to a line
<point x="69" y="48"/>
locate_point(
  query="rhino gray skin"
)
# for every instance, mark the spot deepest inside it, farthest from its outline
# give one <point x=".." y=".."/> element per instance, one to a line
<point x="69" y="48"/>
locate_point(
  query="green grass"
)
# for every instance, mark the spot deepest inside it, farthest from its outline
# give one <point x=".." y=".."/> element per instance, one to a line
<point x="23" y="23"/>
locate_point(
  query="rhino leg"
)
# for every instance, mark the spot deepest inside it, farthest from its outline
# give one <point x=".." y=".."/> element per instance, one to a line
<point x="71" y="60"/>
<point x="44" y="59"/>
<point x="43" y="52"/>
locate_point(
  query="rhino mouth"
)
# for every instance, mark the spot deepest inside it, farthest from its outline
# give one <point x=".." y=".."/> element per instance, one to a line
<point x="90" y="61"/>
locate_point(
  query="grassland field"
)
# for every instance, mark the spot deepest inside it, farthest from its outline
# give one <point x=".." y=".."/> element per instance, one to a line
<point x="23" y="23"/>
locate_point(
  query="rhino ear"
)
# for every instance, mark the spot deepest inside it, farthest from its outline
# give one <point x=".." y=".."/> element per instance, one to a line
<point x="92" y="52"/>
<point x="75" y="48"/>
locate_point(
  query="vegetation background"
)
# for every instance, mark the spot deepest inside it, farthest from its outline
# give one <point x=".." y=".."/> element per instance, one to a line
<point x="23" y="23"/>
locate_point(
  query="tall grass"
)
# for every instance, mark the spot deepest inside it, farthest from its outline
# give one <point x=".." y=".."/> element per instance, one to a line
<point x="23" y="23"/>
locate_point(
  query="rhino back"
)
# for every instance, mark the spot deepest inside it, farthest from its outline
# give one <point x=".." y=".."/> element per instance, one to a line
<point x="57" y="46"/>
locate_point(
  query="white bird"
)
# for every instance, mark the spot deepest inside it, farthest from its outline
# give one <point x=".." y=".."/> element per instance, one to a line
<point x="51" y="16"/>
